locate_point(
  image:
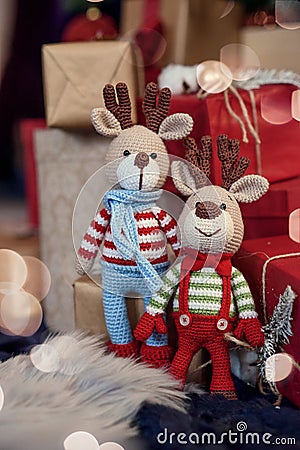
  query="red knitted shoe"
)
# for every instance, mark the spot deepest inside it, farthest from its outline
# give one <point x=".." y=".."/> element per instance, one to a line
<point x="124" y="350"/>
<point x="156" y="356"/>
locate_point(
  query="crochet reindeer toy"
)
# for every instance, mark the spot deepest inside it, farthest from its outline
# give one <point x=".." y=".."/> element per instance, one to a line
<point x="212" y="297"/>
<point x="133" y="228"/>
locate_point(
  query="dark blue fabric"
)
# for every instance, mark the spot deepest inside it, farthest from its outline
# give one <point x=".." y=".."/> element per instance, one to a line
<point x="217" y="415"/>
<point x="14" y="345"/>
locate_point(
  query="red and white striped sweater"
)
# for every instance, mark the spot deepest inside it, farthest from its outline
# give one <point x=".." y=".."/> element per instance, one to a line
<point x="155" y="227"/>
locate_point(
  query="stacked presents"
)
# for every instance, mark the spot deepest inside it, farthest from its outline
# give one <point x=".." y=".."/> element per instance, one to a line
<point x="72" y="181"/>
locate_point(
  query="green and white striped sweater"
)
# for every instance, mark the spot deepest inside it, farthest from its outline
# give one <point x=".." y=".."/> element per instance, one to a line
<point x="205" y="293"/>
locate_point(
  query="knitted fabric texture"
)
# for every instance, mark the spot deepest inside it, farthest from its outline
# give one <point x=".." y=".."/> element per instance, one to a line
<point x="122" y="204"/>
<point x="155" y="111"/>
<point x="121" y="111"/>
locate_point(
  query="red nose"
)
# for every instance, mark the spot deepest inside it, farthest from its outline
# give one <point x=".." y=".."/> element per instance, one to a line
<point x="141" y="160"/>
<point x="207" y="210"/>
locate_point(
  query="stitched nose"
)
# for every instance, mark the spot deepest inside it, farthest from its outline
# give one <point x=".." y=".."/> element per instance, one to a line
<point x="141" y="160"/>
<point x="207" y="210"/>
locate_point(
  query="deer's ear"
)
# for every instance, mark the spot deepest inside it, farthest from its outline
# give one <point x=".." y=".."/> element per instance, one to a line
<point x="249" y="188"/>
<point x="182" y="178"/>
<point x="105" y="122"/>
<point x="177" y="126"/>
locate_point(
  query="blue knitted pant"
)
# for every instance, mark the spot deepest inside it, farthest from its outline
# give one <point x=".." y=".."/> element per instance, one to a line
<point x="119" y="282"/>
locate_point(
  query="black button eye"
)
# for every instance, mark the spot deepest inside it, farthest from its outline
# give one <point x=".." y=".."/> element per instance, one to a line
<point x="153" y="155"/>
<point x="223" y="206"/>
<point x="126" y="153"/>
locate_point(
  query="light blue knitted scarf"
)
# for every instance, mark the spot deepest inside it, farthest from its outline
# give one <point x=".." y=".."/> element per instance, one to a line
<point x="122" y="204"/>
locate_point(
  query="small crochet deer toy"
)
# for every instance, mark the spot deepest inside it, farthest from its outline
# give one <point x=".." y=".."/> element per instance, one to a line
<point x="134" y="229"/>
<point x="212" y="297"/>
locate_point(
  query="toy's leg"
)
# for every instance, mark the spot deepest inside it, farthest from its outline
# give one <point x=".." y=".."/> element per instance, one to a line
<point x="189" y="342"/>
<point x="156" y="351"/>
<point x="117" y="324"/>
<point x="221" y="377"/>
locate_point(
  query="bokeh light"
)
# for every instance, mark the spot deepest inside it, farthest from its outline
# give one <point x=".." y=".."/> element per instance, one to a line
<point x="296" y="105"/>
<point x="111" y="446"/>
<point x="38" y="280"/>
<point x="213" y="76"/>
<point x="45" y="358"/>
<point x="294" y="225"/>
<point x="276" y="108"/>
<point x="81" y="440"/>
<point x="242" y="61"/>
<point x="13" y="271"/>
<point x="287" y="14"/>
<point x="228" y="8"/>
<point x="1" y="398"/>
<point x="278" y="367"/>
<point x="21" y="313"/>
<point x="93" y="13"/>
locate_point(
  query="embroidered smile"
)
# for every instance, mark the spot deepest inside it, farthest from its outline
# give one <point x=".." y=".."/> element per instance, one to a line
<point x="208" y="234"/>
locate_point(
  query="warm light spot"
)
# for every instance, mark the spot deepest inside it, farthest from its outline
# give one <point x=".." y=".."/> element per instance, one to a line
<point x="278" y="367"/>
<point x="21" y="313"/>
<point x="287" y="14"/>
<point x="228" y="8"/>
<point x="45" y="358"/>
<point x="1" y="398"/>
<point x="111" y="446"/>
<point x="294" y="225"/>
<point x="213" y="76"/>
<point x="93" y="13"/>
<point x="81" y="440"/>
<point x="276" y="108"/>
<point x="242" y="61"/>
<point x="38" y="280"/>
<point x="296" y="105"/>
<point x="13" y="271"/>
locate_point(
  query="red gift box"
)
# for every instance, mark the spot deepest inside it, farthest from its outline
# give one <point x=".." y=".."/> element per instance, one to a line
<point x="280" y="156"/>
<point x="269" y="216"/>
<point x="27" y="129"/>
<point x="269" y="265"/>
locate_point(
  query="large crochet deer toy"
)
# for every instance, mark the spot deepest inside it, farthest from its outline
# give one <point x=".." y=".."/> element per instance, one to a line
<point x="133" y="228"/>
<point x="212" y="297"/>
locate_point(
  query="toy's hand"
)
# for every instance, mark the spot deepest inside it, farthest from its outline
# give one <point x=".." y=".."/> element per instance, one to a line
<point x="147" y="324"/>
<point x="251" y="330"/>
<point x="83" y="265"/>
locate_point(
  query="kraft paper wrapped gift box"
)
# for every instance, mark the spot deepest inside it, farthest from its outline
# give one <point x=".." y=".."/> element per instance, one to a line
<point x="75" y="73"/>
<point x="65" y="161"/>
<point x="187" y="24"/>
<point x="89" y="314"/>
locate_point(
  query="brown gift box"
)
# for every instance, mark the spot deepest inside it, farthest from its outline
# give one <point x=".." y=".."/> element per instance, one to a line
<point x="65" y="161"/>
<point x="89" y="314"/>
<point x="194" y="29"/>
<point x="75" y="74"/>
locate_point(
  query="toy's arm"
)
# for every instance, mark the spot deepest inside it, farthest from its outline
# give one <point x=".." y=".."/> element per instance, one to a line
<point x="249" y="326"/>
<point x="169" y="226"/>
<point x="153" y="319"/>
<point x="91" y="241"/>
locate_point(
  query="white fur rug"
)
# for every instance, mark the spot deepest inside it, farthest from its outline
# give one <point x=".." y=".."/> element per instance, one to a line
<point x="89" y="391"/>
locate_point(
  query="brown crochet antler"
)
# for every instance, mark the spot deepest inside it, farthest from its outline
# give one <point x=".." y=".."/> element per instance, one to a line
<point x="199" y="157"/>
<point x="156" y="111"/>
<point x="121" y="110"/>
<point x="233" y="168"/>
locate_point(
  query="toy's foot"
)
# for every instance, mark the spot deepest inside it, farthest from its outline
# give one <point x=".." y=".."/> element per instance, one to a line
<point x="124" y="350"/>
<point x="156" y="356"/>
<point x="230" y="395"/>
